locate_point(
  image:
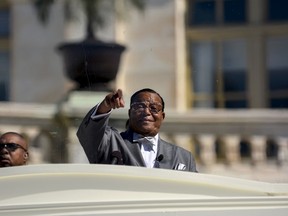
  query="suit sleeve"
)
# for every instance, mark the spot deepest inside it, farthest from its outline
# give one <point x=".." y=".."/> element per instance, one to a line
<point x="192" y="167"/>
<point x="93" y="137"/>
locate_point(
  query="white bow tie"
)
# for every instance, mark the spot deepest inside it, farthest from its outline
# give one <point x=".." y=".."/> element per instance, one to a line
<point x="148" y="143"/>
<point x="145" y="140"/>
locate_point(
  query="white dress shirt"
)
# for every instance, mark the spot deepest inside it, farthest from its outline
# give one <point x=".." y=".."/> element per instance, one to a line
<point x="148" y="148"/>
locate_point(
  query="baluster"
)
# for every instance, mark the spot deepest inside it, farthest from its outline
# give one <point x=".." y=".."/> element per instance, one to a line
<point x="258" y="149"/>
<point x="207" y="149"/>
<point x="232" y="148"/>
<point x="282" y="153"/>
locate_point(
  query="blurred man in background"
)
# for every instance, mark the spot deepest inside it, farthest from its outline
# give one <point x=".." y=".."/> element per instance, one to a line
<point x="13" y="150"/>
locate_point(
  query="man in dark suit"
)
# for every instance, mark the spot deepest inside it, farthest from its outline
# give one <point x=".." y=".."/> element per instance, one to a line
<point x="140" y="144"/>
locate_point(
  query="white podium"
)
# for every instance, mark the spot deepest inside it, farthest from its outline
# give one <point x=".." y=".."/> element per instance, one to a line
<point x="87" y="189"/>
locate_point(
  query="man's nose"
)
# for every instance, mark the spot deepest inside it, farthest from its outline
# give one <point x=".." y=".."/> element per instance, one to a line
<point x="4" y="151"/>
<point x="147" y="110"/>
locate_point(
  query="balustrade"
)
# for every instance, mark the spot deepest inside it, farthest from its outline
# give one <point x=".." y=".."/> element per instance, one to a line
<point x="214" y="137"/>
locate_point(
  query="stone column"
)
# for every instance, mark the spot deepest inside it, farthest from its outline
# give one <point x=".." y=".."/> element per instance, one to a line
<point x="207" y="149"/>
<point x="258" y="149"/>
<point x="256" y="57"/>
<point x="232" y="148"/>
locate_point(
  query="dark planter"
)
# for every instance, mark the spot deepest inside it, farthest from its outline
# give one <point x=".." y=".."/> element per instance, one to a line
<point x="92" y="64"/>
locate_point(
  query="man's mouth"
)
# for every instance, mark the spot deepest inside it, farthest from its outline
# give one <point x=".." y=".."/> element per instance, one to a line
<point x="4" y="159"/>
<point x="145" y="121"/>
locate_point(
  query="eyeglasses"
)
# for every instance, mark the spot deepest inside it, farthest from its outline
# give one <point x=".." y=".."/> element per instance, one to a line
<point x="11" y="146"/>
<point x="154" y="108"/>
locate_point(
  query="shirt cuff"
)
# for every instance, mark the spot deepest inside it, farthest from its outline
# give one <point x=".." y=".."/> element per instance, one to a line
<point x="95" y="116"/>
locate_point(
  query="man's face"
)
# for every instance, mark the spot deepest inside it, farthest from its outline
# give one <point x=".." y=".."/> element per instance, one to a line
<point x="145" y="114"/>
<point x="11" y="154"/>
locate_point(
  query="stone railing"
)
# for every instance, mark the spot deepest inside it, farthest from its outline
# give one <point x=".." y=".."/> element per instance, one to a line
<point x="44" y="127"/>
<point x="251" y="137"/>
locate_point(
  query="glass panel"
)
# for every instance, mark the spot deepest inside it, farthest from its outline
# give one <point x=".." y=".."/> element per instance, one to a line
<point x="277" y="10"/>
<point x="234" y="81"/>
<point x="202" y="12"/>
<point x="203" y="76"/>
<point x="277" y="67"/>
<point x="234" y="71"/>
<point x="4" y="22"/>
<point x="236" y="104"/>
<point x="279" y="103"/>
<point x="4" y="76"/>
<point x="234" y="65"/>
<point x="278" y="79"/>
<point x="234" y="11"/>
<point x="4" y="55"/>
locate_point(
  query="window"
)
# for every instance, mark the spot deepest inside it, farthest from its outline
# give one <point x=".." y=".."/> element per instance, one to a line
<point x="234" y="11"/>
<point x="4" y="78"/>
<point x="203" y="73"/>
<point x="4" y="53"/>
<point x="226" y="72"/>
<point x="277" y="10"/>
<point x="216" y="12"/>
<point x="234" y="73"/>
<point x="204" y="12"/>
<point x="219" y="73"/>
<point x="4" y="22"/>
<point x="277" y="67"/>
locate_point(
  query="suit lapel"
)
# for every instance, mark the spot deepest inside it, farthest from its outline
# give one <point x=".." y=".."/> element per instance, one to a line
<point x="134" y="152"/>
<point x="166" y="151"/>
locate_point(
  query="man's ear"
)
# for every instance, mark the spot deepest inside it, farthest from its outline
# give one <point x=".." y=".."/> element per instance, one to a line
<point x="163" y="115"/>
<point x="26" y="156"/>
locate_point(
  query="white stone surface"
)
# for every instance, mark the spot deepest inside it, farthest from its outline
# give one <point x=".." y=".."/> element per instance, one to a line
<point x="37" y="72"/>
<point x="66" y="189"/>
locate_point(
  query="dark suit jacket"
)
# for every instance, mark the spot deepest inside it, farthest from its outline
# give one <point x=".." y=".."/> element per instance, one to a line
<point x="103" y="143"/>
